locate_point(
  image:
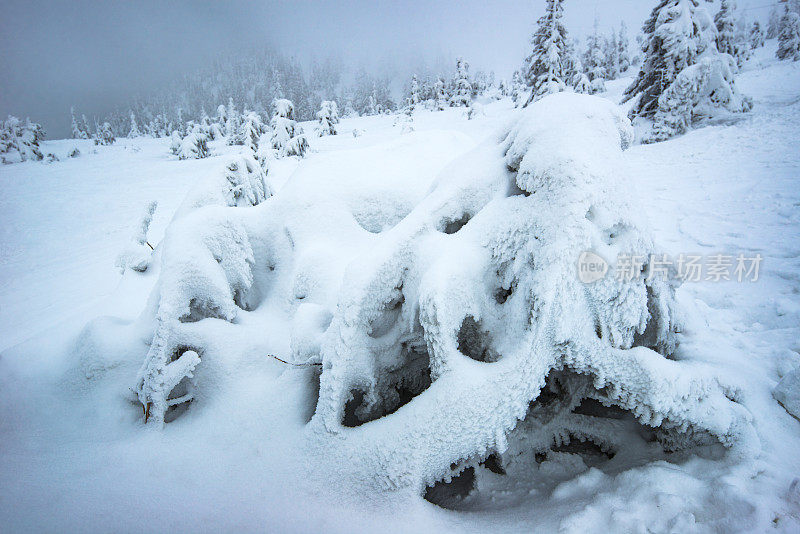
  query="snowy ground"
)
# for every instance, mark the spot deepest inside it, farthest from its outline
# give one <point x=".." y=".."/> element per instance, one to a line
<point x="70" y="460"/>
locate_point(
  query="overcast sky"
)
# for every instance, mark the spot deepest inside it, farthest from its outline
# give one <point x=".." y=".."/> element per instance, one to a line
<point x="95" y="55"/>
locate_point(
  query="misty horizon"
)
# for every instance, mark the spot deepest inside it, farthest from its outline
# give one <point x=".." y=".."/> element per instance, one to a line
<point x="98" y="57"/>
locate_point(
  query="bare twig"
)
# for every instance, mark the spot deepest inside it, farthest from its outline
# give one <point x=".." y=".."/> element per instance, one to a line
<point x="292" y="363"/>
<point x="149" y="245"/>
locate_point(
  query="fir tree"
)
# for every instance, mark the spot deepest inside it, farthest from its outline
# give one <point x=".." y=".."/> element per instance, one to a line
<point x="231" y="122"/>
<point x="462" y="88"/>
<point x="624" y="48"/>
<point x="77" y="133"/>
<point x="774" y="23"/>
<point x="544" y="67"/>
<point x="29" y="137"/>
<point x="440" y="96"/>
<point x="85" y="127"/>
<point x="288" y="138"/>
<point x="104" y="135"/>
<point x="134" y="132"/>
<point x="328" y="117"/>
<point x="250" y="131"/>
<point x="725" y="28"/>
<point x="612" y="57"/>
<point x="572" y="64"/>
<point x="789" y="36"/>
<point x="193" y="146"/>
<point x="517" y="87"/>
<point x="594" y="58"/>
<point x="581" y="83"/>
<point x="414" y="96"/>
<point x="756" y="36"/>
<point x="682" y="71"/>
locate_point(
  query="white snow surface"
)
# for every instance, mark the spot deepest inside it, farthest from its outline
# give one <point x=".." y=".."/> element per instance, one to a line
<point x="370" y="252"/>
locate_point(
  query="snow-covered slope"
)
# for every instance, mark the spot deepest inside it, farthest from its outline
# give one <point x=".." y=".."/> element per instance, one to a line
<point x="76" y="455"/>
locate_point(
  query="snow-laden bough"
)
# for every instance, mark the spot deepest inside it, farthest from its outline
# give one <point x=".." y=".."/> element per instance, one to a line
<point x="460" y="335"/>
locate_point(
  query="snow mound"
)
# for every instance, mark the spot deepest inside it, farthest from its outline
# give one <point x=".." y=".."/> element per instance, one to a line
<point x="461" y="336"/>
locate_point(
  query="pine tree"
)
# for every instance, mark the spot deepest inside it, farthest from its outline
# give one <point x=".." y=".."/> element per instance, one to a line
<point x="414" y="96"/>
<point x="728" y="41"/>
<point x="175" y="142"/>
<point x="774" y="23"/>
<point x="328" y="117"/>
<point x="572" y="64"/>
<point x="462" y="88"/>
<point x="756" y="36"/>
<point x="231" y="122"/>
<point x="581" y="84"/>
<point x="288" y="138"/>
<point x="104" y="135"/>
<point x="30" y="134"/>
<point x="77" y="133"/>
<point x="789" y="36"/>
<point x="439" y="94"/>
<point x="612" y="57"/>
<point x="594" y="57"/>
<point x="544" y="67"/>
<point x="193" y="146"/>
<point x="682" y="71"/>
<point x="517" y="87"/>
<point x="85" y="132"/>
<point x="624" y="48"/>
<point x="250" y="131"/>
<point x="134" y="127"/>
<point x="742" y="36"/>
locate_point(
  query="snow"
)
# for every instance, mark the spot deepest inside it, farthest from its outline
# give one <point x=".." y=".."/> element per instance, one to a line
<point x="339" y="254"/>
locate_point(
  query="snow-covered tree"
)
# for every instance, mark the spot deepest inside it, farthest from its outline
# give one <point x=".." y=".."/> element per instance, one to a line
<point x="594" y="58"/>
<point x="611" y="63"/>
<point x="232" y="122"/>
<point x="544" y="66"/>
<point x="175" y="142"/>
<point x="462" y="87"/>
<point x="134" y="131"/>
<point x="517" y="88"/>
<point x="756" y="36"/>
<point x="77" y="131"/>
<point x="572" y="63"/>
<point x="624" y="48"/>
<point x="29" y="136"/>
<point x="250" y="131"/>
<point x="222" y="116"/>
<point x="9" y="133"/>
<point x="414" y="92"/>
<point x="683" y="78"/>
<point x="440" y="96"/>
<point x="328" y="117"/>
<point x="743" y="46"/>
<point x="193" y="146"/>
<point x="726" y="28"/>
<point x="729" y="41"/>
<point x="104" y="135"/>
<point x="774" y="23"/>
<point x="581" y="84"/>
<point x="288" y="138"/>
<point x="439" y="364"/>
<point x="789" y="35"/>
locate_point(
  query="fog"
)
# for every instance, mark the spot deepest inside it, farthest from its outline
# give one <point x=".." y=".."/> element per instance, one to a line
<point x="97" y="55"/>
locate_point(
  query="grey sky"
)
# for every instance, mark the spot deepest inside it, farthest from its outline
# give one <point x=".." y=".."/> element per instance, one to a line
<point x="95" y="55"/>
